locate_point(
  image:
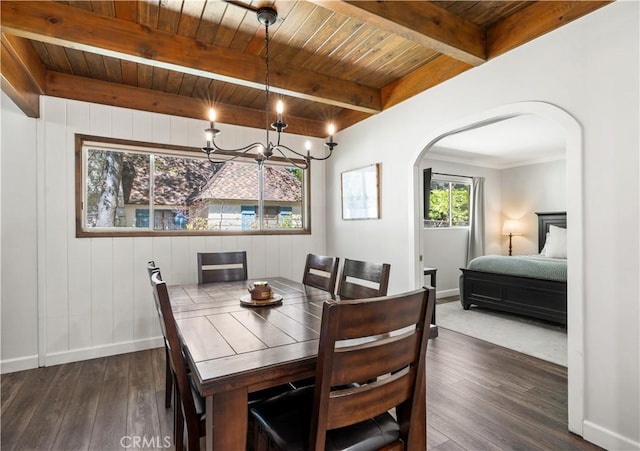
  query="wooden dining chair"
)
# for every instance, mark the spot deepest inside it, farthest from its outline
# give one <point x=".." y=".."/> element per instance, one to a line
<point x="168" y="383"/>
<point x="321" y="272"/>
<point x="359" y="340"/>
<point x="188" y="404"/>
<point x="222" y="266"/>
<point x="361" y="280"/>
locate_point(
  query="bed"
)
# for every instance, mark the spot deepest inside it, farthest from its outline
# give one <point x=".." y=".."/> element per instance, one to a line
<point x="529" y="290"/>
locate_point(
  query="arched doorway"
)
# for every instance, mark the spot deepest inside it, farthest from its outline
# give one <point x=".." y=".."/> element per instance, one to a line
<point x="575" y="282"/>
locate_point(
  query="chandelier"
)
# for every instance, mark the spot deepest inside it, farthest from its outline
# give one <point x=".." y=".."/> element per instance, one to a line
<point x="266" y="16"/>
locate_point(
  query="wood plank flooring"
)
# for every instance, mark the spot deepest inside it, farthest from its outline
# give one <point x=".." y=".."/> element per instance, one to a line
<point x="479" y="397"/>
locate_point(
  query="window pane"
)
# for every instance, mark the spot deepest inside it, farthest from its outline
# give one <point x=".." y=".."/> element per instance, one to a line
<point x="460" y="204"/>
<point x="113" y="190"/>
<point x="176" y="184"/>
<point x="283" y="194"/>
<point x="439" y="205"/>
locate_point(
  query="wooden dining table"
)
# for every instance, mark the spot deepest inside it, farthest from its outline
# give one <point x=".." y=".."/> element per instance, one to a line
<point x="234" y="349"/>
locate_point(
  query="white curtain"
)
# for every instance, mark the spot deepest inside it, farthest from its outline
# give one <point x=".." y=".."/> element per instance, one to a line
<point x="475" y="246"/>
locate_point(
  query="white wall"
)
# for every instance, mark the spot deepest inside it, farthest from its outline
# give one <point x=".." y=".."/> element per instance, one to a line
<point x="446" y="249"/>
<point x="589" y="68"/>
<point x="526" y="190"/>
<point x="93" y="293"/>
<point x="19" y="226"/>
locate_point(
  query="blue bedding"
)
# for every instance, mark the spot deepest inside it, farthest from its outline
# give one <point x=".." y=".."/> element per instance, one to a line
<point x="533" y="266"/>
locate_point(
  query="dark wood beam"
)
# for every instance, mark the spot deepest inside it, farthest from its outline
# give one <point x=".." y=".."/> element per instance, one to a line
<point x="23" y="74"/>
<point x="534" y="21"/>
<point x="421" y="22"/>
<point x="427" y="76"/>
<point x="107" y="93"/>
<point x="59" y="24"/>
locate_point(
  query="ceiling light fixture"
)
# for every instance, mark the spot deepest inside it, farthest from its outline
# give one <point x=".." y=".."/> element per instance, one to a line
<point x="266" y="16"/>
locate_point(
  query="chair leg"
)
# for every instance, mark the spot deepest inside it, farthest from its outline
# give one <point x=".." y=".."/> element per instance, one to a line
<point x="168" y="383"/>
<point x="178" y="422"/>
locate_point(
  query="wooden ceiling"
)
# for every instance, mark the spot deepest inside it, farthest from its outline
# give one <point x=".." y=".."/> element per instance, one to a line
<point x="339" y="61"/>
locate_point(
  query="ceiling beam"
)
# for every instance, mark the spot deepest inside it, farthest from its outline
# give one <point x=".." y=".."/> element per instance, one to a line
<point x="107" y="93"/>
<point x="534" y="21"/>
<point x="436" y="71"/>
<point x="424" y="23"/>
<point x="59" y="24"/>
<point x="23" y="74"/>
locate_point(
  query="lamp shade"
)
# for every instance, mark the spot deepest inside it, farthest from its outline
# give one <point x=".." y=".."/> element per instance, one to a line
<point x="512" y="227"/>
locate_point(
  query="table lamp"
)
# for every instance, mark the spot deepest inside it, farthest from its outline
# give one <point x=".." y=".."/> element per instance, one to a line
<point x="511" y="227"/>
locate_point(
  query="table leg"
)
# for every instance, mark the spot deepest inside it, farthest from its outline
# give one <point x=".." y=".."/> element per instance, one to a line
<point x="227" y="421"/>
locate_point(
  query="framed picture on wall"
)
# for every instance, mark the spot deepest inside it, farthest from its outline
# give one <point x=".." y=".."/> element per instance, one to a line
<point x="361" y="193"/>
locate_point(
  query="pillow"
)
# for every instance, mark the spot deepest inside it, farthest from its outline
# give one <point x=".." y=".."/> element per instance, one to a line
<point x="543" y="252"/>
<point x="556" y="245"/>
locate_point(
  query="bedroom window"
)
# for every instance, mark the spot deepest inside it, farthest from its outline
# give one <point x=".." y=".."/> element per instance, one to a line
<point x="446" y="201"/>
<point x="127" y="188"/>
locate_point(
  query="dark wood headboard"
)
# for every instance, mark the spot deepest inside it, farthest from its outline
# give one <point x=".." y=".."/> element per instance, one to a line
<point x="546" y="219"/>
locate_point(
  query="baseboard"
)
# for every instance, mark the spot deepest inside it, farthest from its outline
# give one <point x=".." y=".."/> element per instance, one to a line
<point x="19" y="364"/>
<point x="447" y="293"/>
<point x="608" y="439"/>
<point x="76" y="355"/>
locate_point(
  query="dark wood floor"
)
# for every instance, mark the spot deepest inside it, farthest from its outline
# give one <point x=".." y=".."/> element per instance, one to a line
<point x="479" y="397"/>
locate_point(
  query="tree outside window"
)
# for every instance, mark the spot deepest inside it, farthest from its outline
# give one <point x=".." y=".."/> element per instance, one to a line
<point x="448" y="204"/>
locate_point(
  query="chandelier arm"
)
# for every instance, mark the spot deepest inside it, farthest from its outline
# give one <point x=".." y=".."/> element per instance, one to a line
<point x="306" y="157"/>
<point x="241" y="150"/>
<point x="297" y="165"/>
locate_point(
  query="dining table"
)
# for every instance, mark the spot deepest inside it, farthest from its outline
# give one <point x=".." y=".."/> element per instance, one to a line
<point x="234" y="348"/>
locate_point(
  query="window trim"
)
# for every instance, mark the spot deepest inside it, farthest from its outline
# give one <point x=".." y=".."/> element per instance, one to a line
<point x="82" y="140"/>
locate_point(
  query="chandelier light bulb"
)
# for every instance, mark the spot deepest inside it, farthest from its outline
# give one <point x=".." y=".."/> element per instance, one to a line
<point x="279" y="110"/>
<point x="332" y="129"/>
<point x="212" y="115"/>
<point x="307" y="145"/>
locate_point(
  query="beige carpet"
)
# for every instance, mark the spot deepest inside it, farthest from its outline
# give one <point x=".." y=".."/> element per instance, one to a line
<point x="541" y="339"/>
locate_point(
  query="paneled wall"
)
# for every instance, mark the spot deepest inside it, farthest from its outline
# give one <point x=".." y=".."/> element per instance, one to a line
<point x="94" y="296"/>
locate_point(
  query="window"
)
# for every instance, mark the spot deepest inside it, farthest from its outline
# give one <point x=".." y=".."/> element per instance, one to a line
<point x="448" y="200"/>
<point x="130" y="188"/>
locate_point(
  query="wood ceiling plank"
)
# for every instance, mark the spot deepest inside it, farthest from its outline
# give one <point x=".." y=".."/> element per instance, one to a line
<point x="105" y="93"/>
<point x="145" y="76"/>
<point x="73" y="27"/>
<point x="96" y="66"/>
<point x="534" y="21"/>
<point x="126" y="10"/>
<point x="209" y="23"/>
<point x="174" y="80"/>
<point x="148" y="12"/>
<point x="169" y="15"/>
<point x="160" y="77"/>
<point x="190" y="18"/>
<point x="113" y="69"/>
<point x="129" y="73"/>
<point x="59" y="58"/>
<point x="78" y="62"/>
<point x="436" y="71"/>
<point x="420" y="22"/>
<point x="19" y="75"/>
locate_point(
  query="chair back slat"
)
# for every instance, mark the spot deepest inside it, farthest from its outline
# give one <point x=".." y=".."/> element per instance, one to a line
<point x="360" y="280"/>
<point x="321" y="272"/>
<point x="367" y="362"/>
<point x="382" y="341"/>
<point x="222" y="266"/>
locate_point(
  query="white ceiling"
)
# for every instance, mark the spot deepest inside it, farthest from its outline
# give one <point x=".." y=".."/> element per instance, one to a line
<point x="512" y="142"/>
